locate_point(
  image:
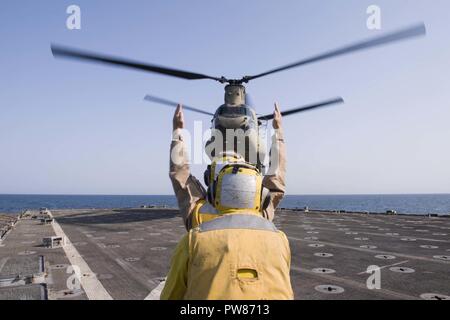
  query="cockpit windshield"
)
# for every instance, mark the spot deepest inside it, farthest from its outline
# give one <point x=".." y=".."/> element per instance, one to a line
<point x="234" y="111"/>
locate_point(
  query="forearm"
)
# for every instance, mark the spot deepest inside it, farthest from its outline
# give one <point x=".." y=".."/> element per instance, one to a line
<point x="179" y="162"/>
<point x="187" y="188"/>
<point x="275" y="178"/>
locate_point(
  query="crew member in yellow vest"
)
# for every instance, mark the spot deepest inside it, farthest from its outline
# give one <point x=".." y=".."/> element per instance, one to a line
<point x="239" y="254"/>
<point x="192" y="196"/>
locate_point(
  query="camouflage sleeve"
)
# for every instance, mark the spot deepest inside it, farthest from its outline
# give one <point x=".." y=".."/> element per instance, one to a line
<point x="188" y="190"/>
<point x="274" y="180"/>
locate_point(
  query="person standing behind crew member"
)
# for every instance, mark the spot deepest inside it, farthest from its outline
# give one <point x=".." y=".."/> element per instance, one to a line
<point x="189" y="191"/>
<point x="239" y="255"/>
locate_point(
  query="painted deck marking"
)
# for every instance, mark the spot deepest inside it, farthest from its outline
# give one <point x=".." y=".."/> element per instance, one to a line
<point x="155" y="294"/>
<point x="91" y="285"/>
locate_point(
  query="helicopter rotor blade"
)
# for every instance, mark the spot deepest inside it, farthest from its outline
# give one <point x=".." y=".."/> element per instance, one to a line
<point x="304" y="108"/>
<point x="64" y="52"/>
<point x="174" y="104"/>
<point x="414" y="31"/>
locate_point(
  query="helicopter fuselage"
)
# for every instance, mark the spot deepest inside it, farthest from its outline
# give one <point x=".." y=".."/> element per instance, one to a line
<point x="236" y="128"/>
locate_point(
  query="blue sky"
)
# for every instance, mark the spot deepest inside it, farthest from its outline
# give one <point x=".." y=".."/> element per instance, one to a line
<point x="74" y="128"/>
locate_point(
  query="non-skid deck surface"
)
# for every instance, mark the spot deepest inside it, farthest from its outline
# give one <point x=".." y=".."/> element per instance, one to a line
<point x="128" y="252"/>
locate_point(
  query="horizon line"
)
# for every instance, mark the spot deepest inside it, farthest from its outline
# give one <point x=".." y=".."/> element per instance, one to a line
<point x="165" y="195"/>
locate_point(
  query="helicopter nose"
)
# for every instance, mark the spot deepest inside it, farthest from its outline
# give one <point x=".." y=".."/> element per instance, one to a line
<point x="233" y="122"/>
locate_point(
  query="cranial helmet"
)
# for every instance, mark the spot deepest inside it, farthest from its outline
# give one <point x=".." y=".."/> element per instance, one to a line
<point x="235" y="185"/>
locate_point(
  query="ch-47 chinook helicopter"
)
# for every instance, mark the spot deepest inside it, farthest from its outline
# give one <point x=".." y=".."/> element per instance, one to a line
<point x="237" y="112"/>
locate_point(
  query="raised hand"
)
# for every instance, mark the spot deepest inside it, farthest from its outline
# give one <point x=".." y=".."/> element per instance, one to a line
<point x="178" y="118"/>
<point x="276" y="117"/>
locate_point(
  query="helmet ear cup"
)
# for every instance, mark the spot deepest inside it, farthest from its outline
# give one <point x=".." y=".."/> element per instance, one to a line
<point x="211" y="193"/>
<point x="206" y="175"/>
<point x="265" y="198"/>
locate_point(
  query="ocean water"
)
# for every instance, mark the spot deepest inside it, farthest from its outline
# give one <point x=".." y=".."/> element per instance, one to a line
<point x="412" y="204"/>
